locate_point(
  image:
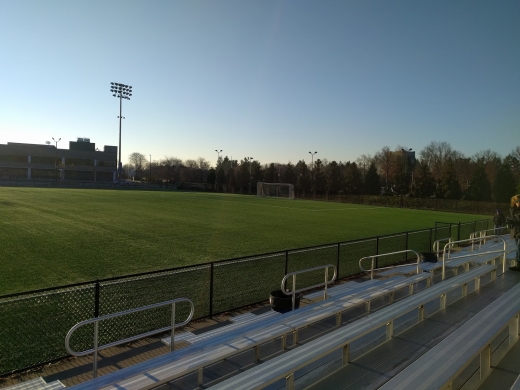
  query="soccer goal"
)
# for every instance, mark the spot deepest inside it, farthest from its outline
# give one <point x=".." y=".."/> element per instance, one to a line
<point x="278" y="190"/>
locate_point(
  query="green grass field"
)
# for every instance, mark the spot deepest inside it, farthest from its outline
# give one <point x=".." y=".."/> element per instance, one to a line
<point x="54" y="237"/>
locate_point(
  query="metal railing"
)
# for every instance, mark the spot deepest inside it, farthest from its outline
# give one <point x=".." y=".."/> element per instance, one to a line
<point x="471" y="254"/>
<point x="293" y="274"/>
<point x="373" y="257"/>
<point x="97" y="320"/>
<point x="436" y="245"/>
<point x="482" y="234"/>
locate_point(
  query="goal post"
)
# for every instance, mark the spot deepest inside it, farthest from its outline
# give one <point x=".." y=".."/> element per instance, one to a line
<point x="276" y="190"/>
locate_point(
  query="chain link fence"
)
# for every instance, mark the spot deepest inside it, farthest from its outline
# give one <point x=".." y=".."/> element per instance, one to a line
<point x="33" y="325"/>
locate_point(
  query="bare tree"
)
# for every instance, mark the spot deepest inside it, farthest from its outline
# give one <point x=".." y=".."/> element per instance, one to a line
<point x="384" y="160"/>
<point x="516" y="152"/>
<point x="138" y="161"/>
<point x="435" y="155"/>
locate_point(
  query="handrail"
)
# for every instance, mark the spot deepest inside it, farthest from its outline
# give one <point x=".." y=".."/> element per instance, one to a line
<point x="435" y="246"/>
<point x="293" y="274"/>
<point x="97" y="320"/>
<point x="482" y="234"/>
<point x="392" y="266"/>
<point x="472" y="240"/>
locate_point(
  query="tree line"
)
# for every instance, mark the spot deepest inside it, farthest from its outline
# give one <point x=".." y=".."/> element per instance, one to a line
<point x="438" y="171"/>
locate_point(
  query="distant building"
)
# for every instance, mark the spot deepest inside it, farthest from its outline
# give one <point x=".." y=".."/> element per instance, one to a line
<point x="82" y="162"/>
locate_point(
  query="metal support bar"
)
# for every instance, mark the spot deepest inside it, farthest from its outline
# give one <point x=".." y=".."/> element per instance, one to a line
<point x="513" y="330"/>
<point x="485" y="361"/>
<point x="200" y="376"/>
<point x="389" y="330"/>
<point x="289" y="382"/>
<point x="443" y="301"/>
<point x="345" y="354"/>
<point x="420" y="313"/>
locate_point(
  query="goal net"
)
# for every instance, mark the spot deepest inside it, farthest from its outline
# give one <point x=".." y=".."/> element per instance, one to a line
<point x="277" y="190"/>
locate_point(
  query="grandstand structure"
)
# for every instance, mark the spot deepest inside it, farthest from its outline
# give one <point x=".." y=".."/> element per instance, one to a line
<point x="449" y="324"/>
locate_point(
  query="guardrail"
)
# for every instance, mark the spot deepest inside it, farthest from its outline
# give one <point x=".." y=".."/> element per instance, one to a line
<point x="293" y="274"/>
<point x="482" y="234"/>
<point x="373" y="257"/>
<point x="97" y="320"/>
<point x="436" y="245"/>
<point x="472" y="240"/>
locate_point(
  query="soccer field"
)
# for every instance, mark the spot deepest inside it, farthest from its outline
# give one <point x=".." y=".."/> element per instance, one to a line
<point x="53" y="237"/>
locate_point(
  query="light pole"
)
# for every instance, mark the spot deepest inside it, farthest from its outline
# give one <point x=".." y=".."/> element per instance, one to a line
<point x="312" y="157"/>
<point x="150" y="180"/>
<point x="121" y="91"/>
<point x="405" y="153"/>
<point x="249" y="159"/>
<point x="312" y="166"/>
<point x="56" y="159"/>
<point x="216" y="167"/>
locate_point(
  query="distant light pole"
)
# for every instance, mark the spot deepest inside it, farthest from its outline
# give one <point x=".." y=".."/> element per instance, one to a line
<point x="405" y="153"/>
<point x="216" y="166"/>
<point x="249" y="159"/>
<point x="150" y="180"/>
<point x="312" y="157"/>
<point x="121" y="91"/>
<point x="312" y="166"/>
<point x="56" y="159"/>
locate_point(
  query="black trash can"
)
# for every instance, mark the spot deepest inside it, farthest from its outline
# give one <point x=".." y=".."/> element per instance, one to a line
<point x="283" y="303"/>
<point x="429" y="257"/>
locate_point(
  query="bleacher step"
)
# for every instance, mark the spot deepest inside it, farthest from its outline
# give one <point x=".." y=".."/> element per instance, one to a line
<point x="36" y="384"/>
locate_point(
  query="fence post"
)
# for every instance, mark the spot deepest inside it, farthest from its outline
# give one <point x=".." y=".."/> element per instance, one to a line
<point x="458" y="232"/>
<point x="431" y="243"/>
<point x="337" y="261"/>
<point x="377" y="250"/>
<point x="406" y="248"/>
<point x="96" y="300"/>
<point x="212" y="275"/>
<point x="286" y="270"/>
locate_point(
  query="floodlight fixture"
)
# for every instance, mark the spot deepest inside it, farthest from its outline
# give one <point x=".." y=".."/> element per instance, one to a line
<point x="120" y="91"/>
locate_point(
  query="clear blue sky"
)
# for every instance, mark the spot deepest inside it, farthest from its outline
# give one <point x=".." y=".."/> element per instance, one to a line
<point x="268" y="79"/>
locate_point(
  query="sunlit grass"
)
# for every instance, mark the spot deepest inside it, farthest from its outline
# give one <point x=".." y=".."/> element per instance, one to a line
<point x="54" y="237"/>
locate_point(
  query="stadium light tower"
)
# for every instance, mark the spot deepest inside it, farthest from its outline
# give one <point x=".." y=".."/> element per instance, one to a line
<point x="56" y="159"/>
<point x="121" y="91"/>
<point x="312" y="157"/>
<point x="216" y="166"/>
<point x="249" y="159"/>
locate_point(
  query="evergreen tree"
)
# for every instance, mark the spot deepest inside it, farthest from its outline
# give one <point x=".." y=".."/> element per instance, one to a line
<point x="449" y="187"/>
<point x="289" y="176"/>
<point x="318" y="176"/>
<point x="221" y="178"/>
<point x="372" y="184"/>
<point x="505" y="184"/>
<point x="211" y="177"/>
<point x="231" y="180"/>
<point x="270" y="174"/>
<point x="303" y="181"/>
<point x="479" y="185"/>
<point x="424" y="183"/>
<point x="353" y="179"/>
<point x="333" y="177"/>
